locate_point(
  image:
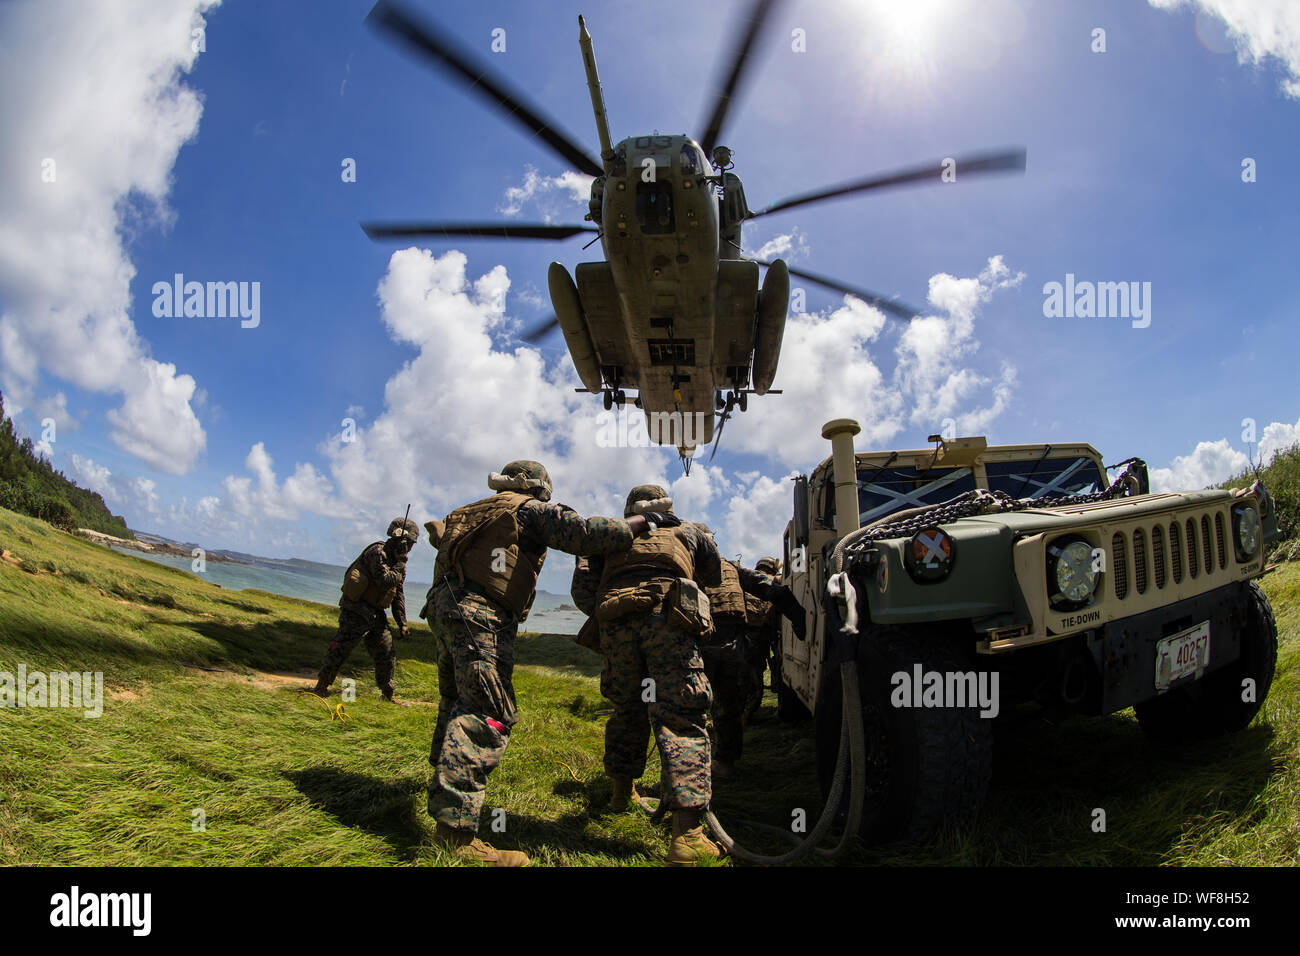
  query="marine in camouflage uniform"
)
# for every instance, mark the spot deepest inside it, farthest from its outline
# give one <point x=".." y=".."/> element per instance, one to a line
<point x="742" y="595"/>
<point x="762" y="642"/>
<point x="490" y="553"/>
<point x="382" y="566"/>
<point x="653" y="674"/>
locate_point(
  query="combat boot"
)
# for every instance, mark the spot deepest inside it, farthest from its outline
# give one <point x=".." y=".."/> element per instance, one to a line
<point x="471" y="849"/>
<point x="321" y="689"/>
<point x="689" y="842"/>
<point x="388" y="696"/>
<point x="624" y="793"/>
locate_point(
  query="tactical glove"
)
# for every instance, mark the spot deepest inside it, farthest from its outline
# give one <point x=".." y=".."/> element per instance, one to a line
<point x="662" y="519"/>
<point x="792" y="610"/>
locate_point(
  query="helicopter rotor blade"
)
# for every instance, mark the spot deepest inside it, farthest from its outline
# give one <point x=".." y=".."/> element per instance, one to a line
<point x="898" y="309"/>
<point x="758" y="15"/>
<point x="540" y="330"/>
<point x="453" y="58"/>
<point x="1011" y="161"/>
<point x="470" y="230"/>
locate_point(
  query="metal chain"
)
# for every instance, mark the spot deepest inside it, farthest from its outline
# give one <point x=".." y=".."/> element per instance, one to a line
<point x="981" y="502"/>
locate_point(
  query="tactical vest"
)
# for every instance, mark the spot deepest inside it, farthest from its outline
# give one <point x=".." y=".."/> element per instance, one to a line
<point x="663" y="553"/>
<point x="728" y="598"/>
<point x="481" y="544"/>
<point x="372" y="594"/>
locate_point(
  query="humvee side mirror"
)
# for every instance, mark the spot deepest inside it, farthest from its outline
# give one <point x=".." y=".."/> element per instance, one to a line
<point x="801" y="511"/>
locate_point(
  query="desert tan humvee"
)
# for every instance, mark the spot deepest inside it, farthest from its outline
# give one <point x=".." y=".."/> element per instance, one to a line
<point x="992" y="578"/>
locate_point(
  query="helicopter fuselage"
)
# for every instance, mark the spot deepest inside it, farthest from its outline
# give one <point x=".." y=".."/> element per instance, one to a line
<point x="665" y="313"/>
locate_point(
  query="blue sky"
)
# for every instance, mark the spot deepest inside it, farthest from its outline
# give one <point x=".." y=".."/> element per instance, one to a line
<point x="224" y="165"/>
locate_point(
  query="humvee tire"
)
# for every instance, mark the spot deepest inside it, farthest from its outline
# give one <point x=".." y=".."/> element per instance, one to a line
<point x="1213" y="705"/>
<point x="925" y="766"/>
<point x="789" y="708"/>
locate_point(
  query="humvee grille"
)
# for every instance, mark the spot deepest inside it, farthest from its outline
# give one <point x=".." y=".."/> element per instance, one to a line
<point x="1158" y="554"/>
<point x="1176" y="552"/>
<point x="1207" y="544"/>
<point x="1148" y="556"/>
<point x="1119" y="558"/>
<point x="1140" y="561"/>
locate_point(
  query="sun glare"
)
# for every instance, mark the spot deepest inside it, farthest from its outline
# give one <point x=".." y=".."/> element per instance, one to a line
<point x="905" y="29"/>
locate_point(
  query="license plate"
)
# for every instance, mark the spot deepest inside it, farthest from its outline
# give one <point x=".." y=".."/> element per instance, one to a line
<point x="1178" y="655"/>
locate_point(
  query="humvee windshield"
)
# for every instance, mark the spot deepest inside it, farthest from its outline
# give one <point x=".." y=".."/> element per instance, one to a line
<point x="885" y="490"/>
<point x="1049" y="477"/>
<point x="882" y="491"/>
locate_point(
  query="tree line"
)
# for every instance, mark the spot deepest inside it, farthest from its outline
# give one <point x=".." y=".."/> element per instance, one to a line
<point x="30" y="485"/>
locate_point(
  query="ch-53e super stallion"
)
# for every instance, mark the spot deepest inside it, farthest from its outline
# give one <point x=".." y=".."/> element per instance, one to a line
<point x="675" y="310"/>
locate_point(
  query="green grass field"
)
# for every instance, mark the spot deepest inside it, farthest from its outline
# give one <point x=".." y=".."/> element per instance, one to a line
<point x="202" y="712"/>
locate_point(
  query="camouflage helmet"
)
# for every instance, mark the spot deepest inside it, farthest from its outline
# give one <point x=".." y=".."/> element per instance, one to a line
<point x="529" y="477"/>
<point x="770" y="566"/>
<point x="645" y="498"/>
<point x="404" y="528"/>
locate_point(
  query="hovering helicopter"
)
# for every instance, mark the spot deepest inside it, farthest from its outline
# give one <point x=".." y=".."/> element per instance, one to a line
<point x="676" y="310"/>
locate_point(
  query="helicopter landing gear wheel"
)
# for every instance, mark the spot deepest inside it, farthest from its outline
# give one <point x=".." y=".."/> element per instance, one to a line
<point x="608" y="399"/>
<point x="743" y="401"/>
<point x="620" y="398"/>
<point x="718" y="401"/>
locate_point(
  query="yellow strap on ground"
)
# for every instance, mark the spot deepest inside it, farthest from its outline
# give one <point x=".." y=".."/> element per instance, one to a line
<point x="336" y="711"/>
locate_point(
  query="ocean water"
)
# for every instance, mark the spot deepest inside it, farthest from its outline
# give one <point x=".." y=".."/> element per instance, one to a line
<point x="320" y="583"/>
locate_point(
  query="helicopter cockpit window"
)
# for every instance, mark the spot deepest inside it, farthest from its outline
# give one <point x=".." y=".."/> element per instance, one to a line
<point x="692" y="161"/>
<point x="1048" y="478"/>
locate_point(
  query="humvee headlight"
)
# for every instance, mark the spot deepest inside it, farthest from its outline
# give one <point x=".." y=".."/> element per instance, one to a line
<point x="1245" y="525"/>
<point x="1071" y="579"/>
<point x="930" y="555"/>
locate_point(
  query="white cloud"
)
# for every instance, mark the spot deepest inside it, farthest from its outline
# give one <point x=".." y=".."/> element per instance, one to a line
<point x="756" y="517"/>
<point x="933" y="350"/>
<point x="546" y="193"/>
<point x="830" y="369"/>
<point x="1277" y="437"/>
<point x="92" y="94"/>
<point x="789" y="245"/>
<point x="1261" y="29"/>
<point x="1213" y="462"/>
<point x="135" y="496"/>
<point x="262" y="495"/>
<point x="1210" y="463"/>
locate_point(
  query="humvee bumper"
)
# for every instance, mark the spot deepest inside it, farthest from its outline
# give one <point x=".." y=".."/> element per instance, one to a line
<point x="1128" y="651"/>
